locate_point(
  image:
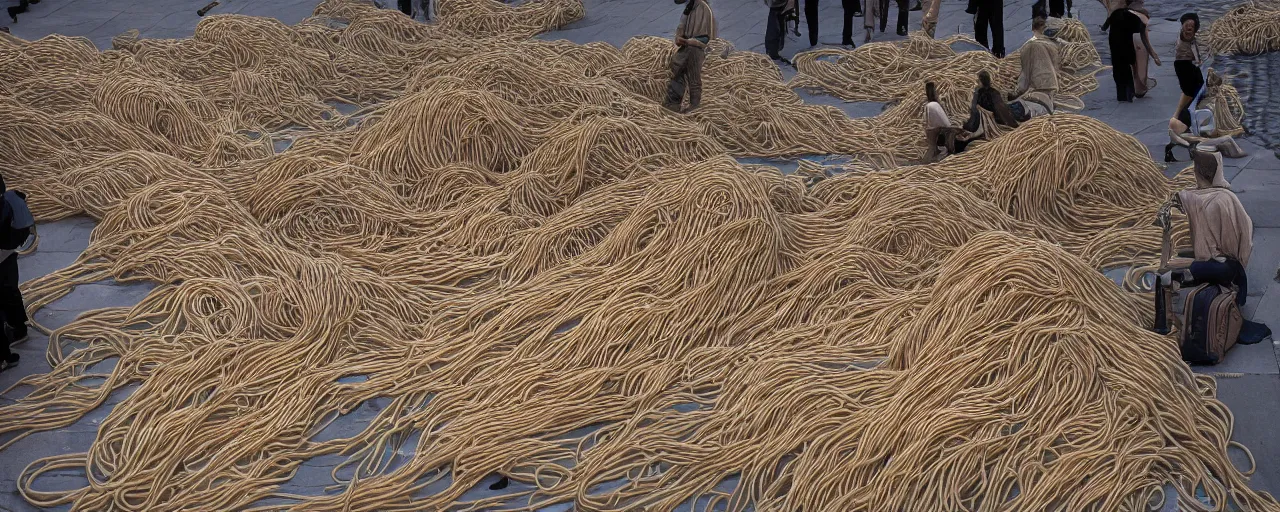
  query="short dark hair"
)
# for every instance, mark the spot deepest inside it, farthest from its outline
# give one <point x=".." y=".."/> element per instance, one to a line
<point x="1190" y="16"/>
<point x="1037" y="23"/>
<point x="984" y="78"/>
<point x="930" y="91"/>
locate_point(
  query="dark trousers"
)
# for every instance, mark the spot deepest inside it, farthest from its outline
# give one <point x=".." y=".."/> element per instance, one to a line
<point x="775" y="33"/>
<point x="686" y="73"/>
<point x="19" y="9"/>
<point x="406" y="7"/>
<point x="811" y="18"/>
<point x="1057" y="8"/>
<point x="1122" y="72"/>
<point x="902" y="14"/>
<point x="990" y="14"/>
<point x="852" y="8"/>
<point x="1224" y="273"/>
<point x="12" y="311"/>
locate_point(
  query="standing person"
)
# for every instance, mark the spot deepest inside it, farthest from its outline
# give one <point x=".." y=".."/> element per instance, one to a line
<point x="697" y="28"/>
<point x="12" y="310"/>
<point x="775" y="31"/>
<point x="902" y="16"/>
<point x="852" y="9"/>
<point x="990" y="14"/>
<point x="929" y="20"/>
<point x="811" y="18"/>
<point x="1124" y="25"/>
<point x="1186" y="61"/>
<point x="870" y="11"/>
<point x="1142" y="58"/>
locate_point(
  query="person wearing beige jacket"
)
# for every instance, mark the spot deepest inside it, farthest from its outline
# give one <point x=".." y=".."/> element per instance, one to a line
<point x="696" y="30"/>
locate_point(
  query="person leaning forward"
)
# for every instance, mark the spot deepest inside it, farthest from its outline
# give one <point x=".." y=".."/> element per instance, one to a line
<point x="697" y="28"/>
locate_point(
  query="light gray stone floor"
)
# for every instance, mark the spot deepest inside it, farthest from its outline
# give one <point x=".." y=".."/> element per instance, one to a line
<point x="1254" y="396"/>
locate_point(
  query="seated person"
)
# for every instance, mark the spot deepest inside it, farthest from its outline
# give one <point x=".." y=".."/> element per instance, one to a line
<point x="1182" y="134"/>
<point x="938" y="130"/>
<point x="989" y="99"/>
<point x="1038" y="81"/>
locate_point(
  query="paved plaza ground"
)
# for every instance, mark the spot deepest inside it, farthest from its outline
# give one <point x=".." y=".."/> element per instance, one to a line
<point x="1249" y="380"/>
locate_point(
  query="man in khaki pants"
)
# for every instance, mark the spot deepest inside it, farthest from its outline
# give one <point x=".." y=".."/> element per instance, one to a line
<point x="697" y="28"/>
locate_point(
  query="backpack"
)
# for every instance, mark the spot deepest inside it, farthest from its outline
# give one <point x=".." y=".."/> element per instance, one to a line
<point x="1211" y="323"/>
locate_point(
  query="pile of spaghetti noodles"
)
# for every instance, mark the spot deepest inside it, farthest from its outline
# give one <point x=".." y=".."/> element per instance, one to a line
<point x="1250" y="28"/>
<point x="535" y="271"/>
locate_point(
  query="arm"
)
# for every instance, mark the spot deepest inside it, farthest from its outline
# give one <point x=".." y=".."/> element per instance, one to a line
<point x="1147" y="43"/>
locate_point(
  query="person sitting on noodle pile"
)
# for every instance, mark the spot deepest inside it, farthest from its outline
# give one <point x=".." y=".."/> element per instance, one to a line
<point x="987" y="99"/>
<point x="1192" y="133"/>
<point x="1037" y="85"/>
<point x="1221" y="237"/>
<point x="1038" y="81"/>
<point x="938" y="130"/>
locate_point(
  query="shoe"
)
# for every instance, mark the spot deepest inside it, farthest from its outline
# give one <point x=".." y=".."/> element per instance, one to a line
<point x="857" y="14"/>
<point x="917" y="7"/>
<point x="868" y="38"/>
<point x="10" y="362"/>
<point x="13" y="15"/>
<point x="1168" y="153"/>
<point x="970" y="10"/>
<point x="902" y="32"/>
<point x="849" y="44"/>
<point x="782" y="60"/>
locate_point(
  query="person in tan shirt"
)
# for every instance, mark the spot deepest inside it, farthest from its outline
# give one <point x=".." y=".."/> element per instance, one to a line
<point x="696" y="30"/>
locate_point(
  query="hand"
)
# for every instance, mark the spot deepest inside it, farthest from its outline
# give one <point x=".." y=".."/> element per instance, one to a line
<point x="680" y="41"/>
<point x="1157" y="59"/>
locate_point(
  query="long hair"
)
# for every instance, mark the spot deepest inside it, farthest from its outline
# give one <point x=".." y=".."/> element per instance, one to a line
<point x="930" y="91"/>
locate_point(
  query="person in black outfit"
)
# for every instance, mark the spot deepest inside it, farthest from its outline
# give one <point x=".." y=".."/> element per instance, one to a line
<point x="775" y="31"/>
<point x="1122" y="25"/>
<point x="852" y="9"/>
<point x="902" y="16"/>
<point x="990" y="13"/>
<point x="12" y="310"/>
<point x="811" y="18"/>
